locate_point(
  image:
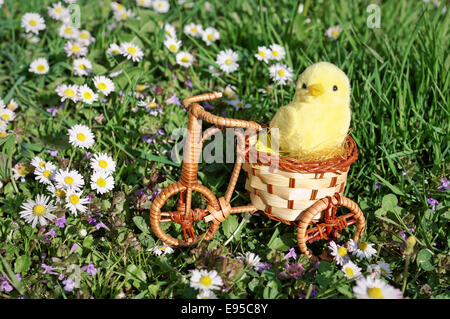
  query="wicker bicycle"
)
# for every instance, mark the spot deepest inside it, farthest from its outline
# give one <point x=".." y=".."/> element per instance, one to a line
<point x="297" y="193"/>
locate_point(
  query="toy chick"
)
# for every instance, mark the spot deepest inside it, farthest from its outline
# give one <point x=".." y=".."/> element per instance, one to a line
<point x="315" y="124"/>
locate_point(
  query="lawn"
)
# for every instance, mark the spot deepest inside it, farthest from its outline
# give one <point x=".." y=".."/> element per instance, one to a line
<point x="90" y="113"/>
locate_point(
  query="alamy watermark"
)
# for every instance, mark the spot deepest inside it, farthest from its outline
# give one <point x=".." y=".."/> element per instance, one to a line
<point x="374" y="19"/>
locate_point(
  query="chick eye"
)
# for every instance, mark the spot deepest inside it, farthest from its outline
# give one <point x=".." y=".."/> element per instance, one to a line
<point x="335" y="88"/>
<point x="304" y="86"/>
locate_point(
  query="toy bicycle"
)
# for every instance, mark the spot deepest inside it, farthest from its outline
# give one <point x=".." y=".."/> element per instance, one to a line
<point x="303" y="194"/>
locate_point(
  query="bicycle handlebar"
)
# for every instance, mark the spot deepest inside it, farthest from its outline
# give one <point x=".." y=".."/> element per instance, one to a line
<point x="200" y="112"/>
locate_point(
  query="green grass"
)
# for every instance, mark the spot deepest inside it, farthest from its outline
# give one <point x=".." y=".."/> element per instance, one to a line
<point x="400" y="122"/>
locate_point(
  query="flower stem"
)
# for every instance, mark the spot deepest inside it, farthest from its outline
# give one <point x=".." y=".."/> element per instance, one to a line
<point x="71" y="157"/>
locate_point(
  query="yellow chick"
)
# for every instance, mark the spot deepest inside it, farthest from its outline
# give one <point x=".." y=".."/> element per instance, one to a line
<point x="314" y="125"/>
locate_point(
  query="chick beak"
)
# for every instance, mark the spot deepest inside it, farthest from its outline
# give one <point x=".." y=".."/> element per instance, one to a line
<point x="316" y="89"/>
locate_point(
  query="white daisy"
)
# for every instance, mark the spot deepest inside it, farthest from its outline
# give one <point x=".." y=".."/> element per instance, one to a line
<point x="144" y="3"/>
<point x="74" y="202"/>
<point x="58" y="12"/>
<point x="123" y="15"/>
<point x="374" y="288"/>
<point x="340" y="253"/>
<point x="66" y="31"/>
<point x="66" y="179"/>
<point x="81" y="136"/>
<point x="103" y="162"/>
<point x="7" y="115"/>
<point x="39" y="66"/>
<point x="205" y="280"/>
<point x="104" y="84"/>
<point x="151" y="106"/>
<point x="113" y="49"/>
<point x="361" y="249"/>
<point x="169" y="30"/>
<point x="85" y="38"/>
<point x="210" y="35"/>
<point x="131" y="51"/>
<point x="161" y="6"/>
<point x="172" y="44"/>
<point x="227" y="61"/>
<point x="102" y="182"/>
<point x="193" y="29"/>
<point x="351" y="270"/>
<point x="264" y="54"/>
<point x="12" y="105"/>
<point x="45" y="174"/>
<point x="117" y="6"/>
<point x="251" y="259"/>
<point x="59" y="194"/>
<point x="86" y="95"/>
<point x="75" y="49"/>
<point x="277" y="52"/>
<point x="280" y="73"/>
<point x="184" y="59"/>
<point x="39" y="210"/>
<point x="333" y="32"/>
<point x="82" y="66"/>
<point x="32" y="22"/>
<point x="67" y="92"/>
<point x="159" y="250"/>
<point x="38" y="162"/>
<point x="21" y="170"/>
<point x="206" y="294"/>
<point x="381" y="269"/>
<point x="240" y="104"/>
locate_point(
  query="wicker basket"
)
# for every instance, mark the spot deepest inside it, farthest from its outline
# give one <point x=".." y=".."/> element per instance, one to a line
<point x="283" y="193"/>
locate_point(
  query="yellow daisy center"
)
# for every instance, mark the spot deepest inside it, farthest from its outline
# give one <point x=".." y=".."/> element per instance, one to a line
<point x="59" y="10"/>
<point x="42" y="164"/>
<point x="350" y="272"/>
<point x="5" y="116"/>
<point x="132" y="50"/>
<point x="33" y="23"/>
<point x="206" y="281"/>
<point x="335" y="33"/>
<point x="194" y="30"/>
<point x="262" y="53"/>
<point x="74" y="199"/>
<point x="87" y="95"/>
<point x="101" y="182"/>
<point x="69" y="92"/>
<point x="115" y="51"/>
<point x="163" y="248"/>
<point x="76" y="48"/>
<point x="172" y="47"/>
<point x="281" y="72"/>
<point x="82" y="66"/>
<point x="240" y="104"/>
<point x="84" y="35"/>
<point x="68" y="30"/>
<point x="375" y="293"/>
<point x="120" y="7"/>
<point x="39" y="210"/>
<point x="184" y="59"/>
<point x="152" y="105"/>
<point x="228" y="61"/>
<point x="362" y="245"/>
<point x="142" y="2"/>
<point x="342" y="251"/>
<point x="103" y="163"/>
<point x="210" y="37"/>
<point x="41" y="67"/>
<point x="68" y="180"/>
<point x="275" y="53"/>
<point x="47" y="173"/>
<point x="81" y="137"/>
<point x="102" y="86"/>
<point x="60" y="193"/>
<point x="3" y="134"/>
<point x="159" y="4"/>
<point x="140" y="87"/>
<point x="124" y="15"/>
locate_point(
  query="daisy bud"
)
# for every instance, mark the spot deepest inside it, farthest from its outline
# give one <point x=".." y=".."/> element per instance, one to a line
<point x="410" y="243"/>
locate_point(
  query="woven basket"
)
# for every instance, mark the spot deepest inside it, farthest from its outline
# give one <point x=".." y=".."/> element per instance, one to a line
<point x="283" y="193"/>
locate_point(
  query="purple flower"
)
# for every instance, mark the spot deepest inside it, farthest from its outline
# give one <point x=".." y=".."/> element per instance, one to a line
<point x="377" y="185"/>
<point x="52" y="111"/>
<point x="147" y="138"/>
<point x="87" y="155"/>
<point x="174" y="76"/>
<point x="160" y="132"/>
<point x="290" y="254"/>
<point x="53" y="153"/>
<point x="61" y="222"/>
<point x="92" y="221"/>
<point x="313" y="293"/>
<point x="173" y="100"/>
<point x="89" y="197"/>
<point x="101" y="225"/>
<point x="188" y="83"/>
<point x="74" y="246"/>
<point x="263" y="266"/>
<point x="48" y="269"/>
<point x="293" y="271"/>
<point x="404" y="173"/>
<point x="69" y="284"/>
<point x="403" y="234"/>
<point x="90" y="269"/>
<point x="445" y="185"/>
<point x="51" y="232"/>
<point x="432" y="202"/>
<point x="5" y="285"/>
<point x="140" y="192"/>
<point x="208" y="106"/>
